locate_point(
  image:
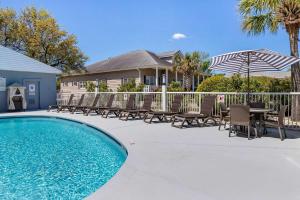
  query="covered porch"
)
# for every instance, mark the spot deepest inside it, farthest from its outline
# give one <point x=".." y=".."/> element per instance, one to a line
<point x="154" y="78"/>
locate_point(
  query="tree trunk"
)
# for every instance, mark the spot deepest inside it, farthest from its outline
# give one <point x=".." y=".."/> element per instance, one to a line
<point x="187" y="81"/>
<point x="293" y="37"/>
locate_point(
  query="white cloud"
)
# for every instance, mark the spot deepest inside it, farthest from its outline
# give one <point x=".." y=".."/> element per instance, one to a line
<point x="178" y="36"/>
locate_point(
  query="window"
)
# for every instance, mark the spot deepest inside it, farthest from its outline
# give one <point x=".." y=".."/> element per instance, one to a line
<point x="81" y="85"/>
<point x="104" y="81"/>
<point x="75" y="83"/>
<point x="149" y="80"/>
<point x="65" y="84"/>
<point x="124" y="81"/>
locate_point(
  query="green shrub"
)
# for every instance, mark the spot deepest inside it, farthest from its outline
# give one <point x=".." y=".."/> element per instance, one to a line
<point x="131" y="86"/>
<point x="175" y="87"/>
<point x="103" y="87"/>
<point x="217" y="83"/>
<point x="90" y="86"/>
<point x="236" y="83"/>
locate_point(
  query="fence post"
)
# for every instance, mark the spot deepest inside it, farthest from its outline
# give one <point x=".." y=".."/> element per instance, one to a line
<point x="97" y="86"/>
<point x="164" y="98"/>
<point x="199" y="103"/>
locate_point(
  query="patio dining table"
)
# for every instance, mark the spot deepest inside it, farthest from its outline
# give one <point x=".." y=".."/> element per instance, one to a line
<point x="258" y="112"/>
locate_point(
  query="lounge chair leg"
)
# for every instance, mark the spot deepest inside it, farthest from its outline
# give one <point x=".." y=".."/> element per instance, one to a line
<point x="248" y="132"/>
<point x="197" y="120"/>
<point x="151" y="119"/>
<point x="105" y="114"/>
<point x="220" y="125"/>
<point x="255" y="130"/>
<point x="182" y="124"/>
<point x="280" y="133"/>
<point x="87" y="112"/>
<point x="173" y="121"/>
<point x="284" y="131"/>
<point x="120" y="115"/>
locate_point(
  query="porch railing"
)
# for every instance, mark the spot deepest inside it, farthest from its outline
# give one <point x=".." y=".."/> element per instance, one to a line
<point x="192" y="101"/>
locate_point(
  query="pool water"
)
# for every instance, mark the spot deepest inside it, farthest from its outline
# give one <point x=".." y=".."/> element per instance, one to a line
<point x="50" y="158"/>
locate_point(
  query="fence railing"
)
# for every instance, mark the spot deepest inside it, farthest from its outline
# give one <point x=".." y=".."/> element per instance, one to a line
<point x="192" y="101"/>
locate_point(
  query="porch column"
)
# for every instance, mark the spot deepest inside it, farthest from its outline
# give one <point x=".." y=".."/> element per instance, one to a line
<point x="167" y="76"/>
<point x="156" y="77"/>
<point x="176" y="76"/>
<point x="140" y="76"/>
<point x="183" y="85"/>
<point x="198" y="79"/>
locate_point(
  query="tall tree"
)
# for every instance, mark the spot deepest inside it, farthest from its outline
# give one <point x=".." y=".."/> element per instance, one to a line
<point x="8" y="27"/>
<point x="37" y="35"/>
<point x="262" y="15"/>
<point x="204" y="63"/>
<point x="187" y="65"/>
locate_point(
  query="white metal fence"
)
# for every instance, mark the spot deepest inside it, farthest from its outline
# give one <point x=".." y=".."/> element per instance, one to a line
<point x="192" y="101"/>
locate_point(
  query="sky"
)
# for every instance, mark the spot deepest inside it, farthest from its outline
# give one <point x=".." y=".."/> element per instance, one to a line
<point x="106" y="28"/>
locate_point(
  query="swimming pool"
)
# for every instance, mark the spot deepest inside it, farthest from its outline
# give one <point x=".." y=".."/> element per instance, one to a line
<point x="51" y="158"/>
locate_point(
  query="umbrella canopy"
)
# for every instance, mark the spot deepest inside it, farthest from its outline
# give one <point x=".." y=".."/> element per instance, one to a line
<point x="251" y="61"/>
<point x="244" y="62"/>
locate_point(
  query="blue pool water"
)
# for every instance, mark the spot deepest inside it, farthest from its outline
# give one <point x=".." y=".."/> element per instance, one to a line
<point x="49" y="158"/>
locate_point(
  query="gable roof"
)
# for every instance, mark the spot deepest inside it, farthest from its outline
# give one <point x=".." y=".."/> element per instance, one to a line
<point x="11" y="60"/>
<point x="133" y="60"/>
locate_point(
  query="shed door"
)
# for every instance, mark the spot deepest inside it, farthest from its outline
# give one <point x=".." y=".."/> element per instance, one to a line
<point x="32" y="94"/>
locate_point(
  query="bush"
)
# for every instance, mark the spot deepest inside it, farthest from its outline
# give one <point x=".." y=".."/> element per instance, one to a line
<point x="131" y="86"/>
<point x="217" y="83"/>
<point x="90" y="86"/>
<point x="103" y="87"/>
<point x="175" y="87"/>
<point x="236" y="83"/>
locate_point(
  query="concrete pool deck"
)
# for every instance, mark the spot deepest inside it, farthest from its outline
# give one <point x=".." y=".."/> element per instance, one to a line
<point x="196" y="163"/>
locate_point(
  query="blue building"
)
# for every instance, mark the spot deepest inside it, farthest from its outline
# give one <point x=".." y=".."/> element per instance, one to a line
<point x="36" y="79"/>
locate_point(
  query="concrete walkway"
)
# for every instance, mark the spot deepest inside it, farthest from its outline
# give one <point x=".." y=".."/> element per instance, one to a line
<point x="196" y="163"/>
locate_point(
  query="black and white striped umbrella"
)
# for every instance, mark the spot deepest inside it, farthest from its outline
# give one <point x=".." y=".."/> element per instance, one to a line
<point x="251" y="61"/>
<point x="244" y="62"/>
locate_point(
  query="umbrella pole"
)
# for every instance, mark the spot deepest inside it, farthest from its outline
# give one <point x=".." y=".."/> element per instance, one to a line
<point x="248" y="77"/>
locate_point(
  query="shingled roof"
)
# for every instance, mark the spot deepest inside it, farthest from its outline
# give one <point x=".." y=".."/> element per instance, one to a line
<point x="13" y="61"/>
<point x="168" y="54"/>
<point x="139" y="59"/>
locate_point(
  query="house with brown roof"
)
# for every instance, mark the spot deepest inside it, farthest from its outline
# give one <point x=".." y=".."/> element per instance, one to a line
<point x="143" y="66"/>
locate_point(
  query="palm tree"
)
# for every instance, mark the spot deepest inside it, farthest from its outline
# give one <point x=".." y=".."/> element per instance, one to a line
<point x="187" y="65"/>
<point x="261" y="15"/>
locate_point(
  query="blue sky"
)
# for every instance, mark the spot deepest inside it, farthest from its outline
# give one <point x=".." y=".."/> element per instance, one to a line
<point x="105" y="28"/>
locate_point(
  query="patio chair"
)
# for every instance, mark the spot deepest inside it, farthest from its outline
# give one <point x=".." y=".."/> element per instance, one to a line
<point x="116" y="111"/>
<point x="163" y="116"/>
<point x="98" y="109"/>
<point x="279" y="124"/>
<point x="224" y="115"/>
<point x="258" y="104"/>
<point x="240" y="116"/>
<point x="124" y="115"/>
<point x="71" y="107"/>
<point x="205" y="114"/>
<point x="86" y="107"/>
<point x="60" y="106"/>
